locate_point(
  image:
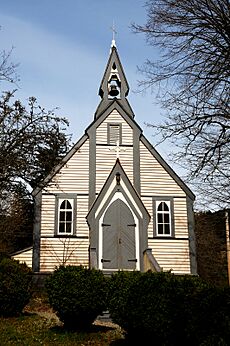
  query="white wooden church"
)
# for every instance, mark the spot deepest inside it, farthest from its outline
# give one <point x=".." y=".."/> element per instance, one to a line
<point x="113" y="202"/>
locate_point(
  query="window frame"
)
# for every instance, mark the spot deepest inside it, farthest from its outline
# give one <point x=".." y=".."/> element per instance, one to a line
<point x="170" y="204"/>
<point x="73" y="201"/>
<point x="109" y="125"/>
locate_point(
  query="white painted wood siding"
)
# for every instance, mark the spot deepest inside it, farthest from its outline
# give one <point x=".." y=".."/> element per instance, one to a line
<point x="155" y="180"/>
<point x="148" y="203"/>
<point x="114" y="118"/>
<point x="58" y="251"/>
<point x="73" y="177"/>
<point x="48" y="216"/>
<point x="171" y="254"/>
<point x="82" y="210"/>
<point x="106" y="159"/>
<point x="25" y="257"/>
<point x="180" y="218"/>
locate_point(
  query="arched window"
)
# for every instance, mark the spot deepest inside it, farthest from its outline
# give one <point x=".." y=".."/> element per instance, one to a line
<point x="65" y="224"/>
<point x="163" y="218"/>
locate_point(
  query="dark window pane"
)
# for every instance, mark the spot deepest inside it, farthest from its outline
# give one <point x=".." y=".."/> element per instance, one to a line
<point x="159" y="218"/>
<point x="166" y="218"/>
<point x="165" y="207"/>
<point x="160" y="207"/>
<point x="69" y="216"/>
<point x="68" y="205"/>
<point x="61" y="227"/>
<point x="167" y="229"/>
<point x="62" y="206"/>
<point x="62" y="216"/>
<point x="68" y="227"/>
<point x="160" y="229"/>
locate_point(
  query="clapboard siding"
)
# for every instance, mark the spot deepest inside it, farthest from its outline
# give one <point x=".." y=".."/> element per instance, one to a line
<point x="73" y="176"/>
<point x="171" y="254"/>
<point x="59" y="251"/>
<point x="82" y="210"/>
<point x="106" y="159"/>
<point x="25" y="257"/>
<point x="48" y="215"/>
<point x="116" y="118"/>
<point x="154" y="178"/>
<point x="180" y="217"/>
<point x="148" y="203"/>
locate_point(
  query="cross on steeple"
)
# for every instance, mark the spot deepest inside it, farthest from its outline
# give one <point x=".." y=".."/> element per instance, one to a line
<point x="114" y="33"/>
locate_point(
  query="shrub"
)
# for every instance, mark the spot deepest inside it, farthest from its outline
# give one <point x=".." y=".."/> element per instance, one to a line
<point x="77" y="294"/>
<point x="15" y="284"/>
<point x="169" y="309"/>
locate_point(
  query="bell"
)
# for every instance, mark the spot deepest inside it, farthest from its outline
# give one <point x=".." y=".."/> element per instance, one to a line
<point x="113" y="91"/>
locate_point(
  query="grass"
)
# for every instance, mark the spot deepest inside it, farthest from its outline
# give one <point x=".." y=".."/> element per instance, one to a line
<point x="38" y="325"/>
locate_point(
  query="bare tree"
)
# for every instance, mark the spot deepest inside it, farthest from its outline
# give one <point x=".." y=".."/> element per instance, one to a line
<point x="193" y="72"/>
<point x="32" y="141"/>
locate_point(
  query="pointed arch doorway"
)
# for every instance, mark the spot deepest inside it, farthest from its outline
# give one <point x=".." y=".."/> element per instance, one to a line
<point x="118" y="237"/>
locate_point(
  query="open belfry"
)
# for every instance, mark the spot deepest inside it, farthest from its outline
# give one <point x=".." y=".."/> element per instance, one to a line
<point x="113" y="203"/>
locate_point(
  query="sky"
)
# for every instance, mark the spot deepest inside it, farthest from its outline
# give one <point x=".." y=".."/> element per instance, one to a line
<point x="62" y="47"/>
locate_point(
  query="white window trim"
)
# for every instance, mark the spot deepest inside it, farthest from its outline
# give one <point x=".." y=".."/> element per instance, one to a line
<point x="164" y="212"/>
<point x="71" y="201"/>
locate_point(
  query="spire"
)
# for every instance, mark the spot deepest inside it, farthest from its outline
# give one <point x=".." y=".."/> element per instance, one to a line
<point x="113" y="44"/>
<point x="114" y="85"/>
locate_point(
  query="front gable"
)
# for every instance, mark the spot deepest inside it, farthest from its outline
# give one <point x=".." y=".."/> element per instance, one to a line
<point x="117" y="189"/>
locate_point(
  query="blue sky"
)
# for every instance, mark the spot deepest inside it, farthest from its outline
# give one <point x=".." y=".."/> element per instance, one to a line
<point x="62" y="47"/>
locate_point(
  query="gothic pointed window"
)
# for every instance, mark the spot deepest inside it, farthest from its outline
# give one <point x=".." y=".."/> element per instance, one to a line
<point x="163" y="218"/>
<point x="65" y="221"/>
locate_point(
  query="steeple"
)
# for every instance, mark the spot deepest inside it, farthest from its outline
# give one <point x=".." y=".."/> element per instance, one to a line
<point x="114" y="85"/>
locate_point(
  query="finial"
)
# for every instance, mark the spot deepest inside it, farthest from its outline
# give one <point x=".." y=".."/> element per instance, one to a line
<point x="113" y="44"/>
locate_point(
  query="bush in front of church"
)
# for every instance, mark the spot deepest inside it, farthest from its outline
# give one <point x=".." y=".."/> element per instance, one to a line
<point x="169" y="309"/>
<point x="15" y="287"/>
<point x="78" y="295"/>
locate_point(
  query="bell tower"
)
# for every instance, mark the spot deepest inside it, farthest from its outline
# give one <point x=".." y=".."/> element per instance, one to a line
<point x="114" y="85"/>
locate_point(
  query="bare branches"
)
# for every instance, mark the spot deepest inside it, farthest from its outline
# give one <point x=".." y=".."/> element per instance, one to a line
<point x="7" y="68"/>
<point x="31" y="141"/>
<point x="193" y="72"/>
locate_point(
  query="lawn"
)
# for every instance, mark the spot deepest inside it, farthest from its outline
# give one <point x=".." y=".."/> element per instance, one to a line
<point x="38" y="325"/>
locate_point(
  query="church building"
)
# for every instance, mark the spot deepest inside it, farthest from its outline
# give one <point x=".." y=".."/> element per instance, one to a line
<point x="113" y="203"/>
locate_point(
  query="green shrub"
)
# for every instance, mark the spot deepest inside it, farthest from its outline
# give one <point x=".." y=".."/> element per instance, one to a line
<point x="15" y="283"/>
<point x="169" y="309"/>
<point x="77" y="294"/>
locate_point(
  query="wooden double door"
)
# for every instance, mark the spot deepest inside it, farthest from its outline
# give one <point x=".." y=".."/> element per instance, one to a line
<point x="118" y="238"/>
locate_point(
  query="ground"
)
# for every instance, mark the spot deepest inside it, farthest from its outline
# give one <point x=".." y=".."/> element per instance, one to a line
<point x="39" y="325"/>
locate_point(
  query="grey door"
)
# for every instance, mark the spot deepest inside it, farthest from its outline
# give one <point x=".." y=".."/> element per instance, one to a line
<point x="118" y="237"/>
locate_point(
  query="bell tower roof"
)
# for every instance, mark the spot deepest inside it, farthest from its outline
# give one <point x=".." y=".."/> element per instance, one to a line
<point x="114" y="85"/>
